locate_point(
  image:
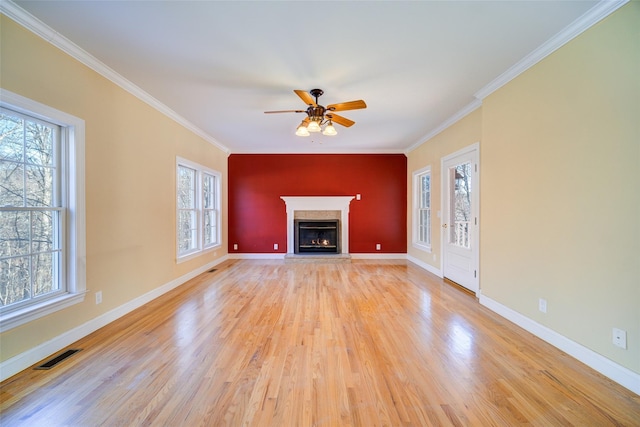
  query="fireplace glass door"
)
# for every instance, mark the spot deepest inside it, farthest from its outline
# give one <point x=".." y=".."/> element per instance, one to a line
<point x="317" y="236"/>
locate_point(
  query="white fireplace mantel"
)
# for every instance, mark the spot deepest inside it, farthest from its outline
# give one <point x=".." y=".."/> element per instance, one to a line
<point x="318" y="203"/>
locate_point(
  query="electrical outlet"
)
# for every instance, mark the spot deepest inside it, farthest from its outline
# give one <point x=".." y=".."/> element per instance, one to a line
<point x="275" y="246"/>
<point x="620" y="338"/>
<point x="542" y="305"/>
<point x="99" y="297"/>
<point x="358" y="197"/>
<point x="377" y="246"/>
<point x="235" y="246"/>
<point x="434" y="257"/>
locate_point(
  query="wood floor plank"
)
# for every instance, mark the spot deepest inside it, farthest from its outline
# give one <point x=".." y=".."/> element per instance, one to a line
<point x="264" y="343"/>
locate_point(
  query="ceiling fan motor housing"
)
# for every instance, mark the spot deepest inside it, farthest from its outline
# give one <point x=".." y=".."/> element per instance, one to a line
<point x="316" y="113"/>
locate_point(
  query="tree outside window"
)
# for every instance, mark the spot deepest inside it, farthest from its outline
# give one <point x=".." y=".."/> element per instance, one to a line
<point x="30" y="209"/>
<point x="198" y="208"/>
<point x="422" y="209"/>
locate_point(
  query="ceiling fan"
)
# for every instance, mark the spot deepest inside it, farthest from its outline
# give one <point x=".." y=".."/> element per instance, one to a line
<point x="318" y="116"/>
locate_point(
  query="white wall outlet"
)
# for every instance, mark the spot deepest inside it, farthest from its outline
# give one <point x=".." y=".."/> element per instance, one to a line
<point x="620" y="338"/>
<point x="434" y="257"/>
<point x="275" y="246"/>
<point x="235" y="246"/>
<point x="99" y="297"/>
<point x="542" y="305"/>
<point x="377" y="246"/>
<point x="358" y="197"/>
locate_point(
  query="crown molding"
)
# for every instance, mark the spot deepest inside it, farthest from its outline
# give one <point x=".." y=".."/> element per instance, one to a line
<point x="594" y="15"/>
<point x="33" y="24"/>
<point x="467" y="109"/>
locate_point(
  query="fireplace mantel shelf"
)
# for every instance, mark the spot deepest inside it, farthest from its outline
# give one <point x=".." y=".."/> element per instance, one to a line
<point x="318" y="203"/>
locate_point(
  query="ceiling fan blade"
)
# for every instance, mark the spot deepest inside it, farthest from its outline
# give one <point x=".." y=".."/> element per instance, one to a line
<point x="306" y="97"/>
<point x="351" y="105"/>
<point x="285" y="111"/>
<point x="340" y="120"/>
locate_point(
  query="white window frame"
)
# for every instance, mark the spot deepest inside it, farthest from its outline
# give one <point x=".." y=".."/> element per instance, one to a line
<point x="200" y="247"/>
<point x="417" y="198"/>
<point x="73" y="230"/>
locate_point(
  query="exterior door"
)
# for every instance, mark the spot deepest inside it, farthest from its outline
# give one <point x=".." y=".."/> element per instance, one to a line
<point x="460" y="217"/>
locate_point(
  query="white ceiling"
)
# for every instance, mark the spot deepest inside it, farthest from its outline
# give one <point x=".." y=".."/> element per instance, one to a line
<point x="220" y="64"/>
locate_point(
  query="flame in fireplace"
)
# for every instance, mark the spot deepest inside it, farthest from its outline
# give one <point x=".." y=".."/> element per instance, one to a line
<point x="320" y="242"/>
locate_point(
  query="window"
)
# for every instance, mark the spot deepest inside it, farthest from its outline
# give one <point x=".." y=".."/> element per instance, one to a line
<point x="422" y="208"/>
<point x="41" y="212"/>
<point x="198" y="208"/>
<point x="210" y="208"/>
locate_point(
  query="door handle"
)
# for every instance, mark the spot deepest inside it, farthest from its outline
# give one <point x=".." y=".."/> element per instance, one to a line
<point x="444" y="225"/>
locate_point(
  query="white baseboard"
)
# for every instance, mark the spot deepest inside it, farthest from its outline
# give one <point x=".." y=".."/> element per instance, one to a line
<point x="606" y="367"/>
<point x="353" y="256"/>
<point x="24" y="360"/>
<point x="278" y="255"/>
<point x="378" y="256"/>
<point x="428" y="267"/>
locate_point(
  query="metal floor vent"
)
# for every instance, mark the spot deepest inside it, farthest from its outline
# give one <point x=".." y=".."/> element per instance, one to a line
<point x="212" y="270"/>
<point x="59" y="358"/>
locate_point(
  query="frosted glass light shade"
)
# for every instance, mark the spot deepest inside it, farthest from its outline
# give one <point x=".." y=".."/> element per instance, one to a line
<point x="302" y="130"/>
<point x="313" y="126"/>
<point x="329" y="130"/>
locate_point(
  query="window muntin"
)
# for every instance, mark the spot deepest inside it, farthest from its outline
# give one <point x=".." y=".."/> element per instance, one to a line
<point x="198" y="202"/>
<point x="31" y="210"/>
<point x="422" y="209"/>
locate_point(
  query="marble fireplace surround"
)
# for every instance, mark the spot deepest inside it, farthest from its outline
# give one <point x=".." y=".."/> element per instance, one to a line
<point x="318" y="207"/>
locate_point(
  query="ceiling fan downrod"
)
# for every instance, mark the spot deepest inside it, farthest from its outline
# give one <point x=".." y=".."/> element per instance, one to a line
<point x="316" y="93"/>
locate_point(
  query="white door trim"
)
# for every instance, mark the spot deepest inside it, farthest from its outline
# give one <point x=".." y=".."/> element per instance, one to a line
<point x="475" y="229"/>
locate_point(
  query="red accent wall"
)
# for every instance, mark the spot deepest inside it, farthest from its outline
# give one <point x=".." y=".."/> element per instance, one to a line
<point x="258" y="217"/>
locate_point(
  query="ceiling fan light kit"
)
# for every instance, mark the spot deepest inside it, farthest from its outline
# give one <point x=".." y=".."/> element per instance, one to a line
<point x="318" y="116"/>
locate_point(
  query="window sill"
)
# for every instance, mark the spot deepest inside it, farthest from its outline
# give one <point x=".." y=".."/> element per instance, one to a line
<point x="35" y="311"/>
<point x="422" y="247"/>
<point x="192" y="255"/>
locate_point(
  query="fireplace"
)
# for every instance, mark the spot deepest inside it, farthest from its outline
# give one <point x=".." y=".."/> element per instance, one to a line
<point x="318" y="209"/>
<point x="317" y="236"/>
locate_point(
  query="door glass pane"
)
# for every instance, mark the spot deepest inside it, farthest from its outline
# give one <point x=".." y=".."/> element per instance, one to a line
<point x="460" y="205"/>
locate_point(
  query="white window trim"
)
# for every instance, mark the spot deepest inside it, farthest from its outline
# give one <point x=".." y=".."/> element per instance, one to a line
<point x="416" y="206"/>
<point x="201" y="248"/>
<point x="73" y="131"/>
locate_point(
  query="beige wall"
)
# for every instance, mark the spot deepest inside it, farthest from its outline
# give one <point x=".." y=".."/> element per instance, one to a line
<point x="560" y="172"/>
<point x="131" y="152"/>
<point x="560" y="201"/>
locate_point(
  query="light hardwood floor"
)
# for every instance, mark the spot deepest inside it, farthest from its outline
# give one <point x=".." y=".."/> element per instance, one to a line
<point x="263" y="343"/>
